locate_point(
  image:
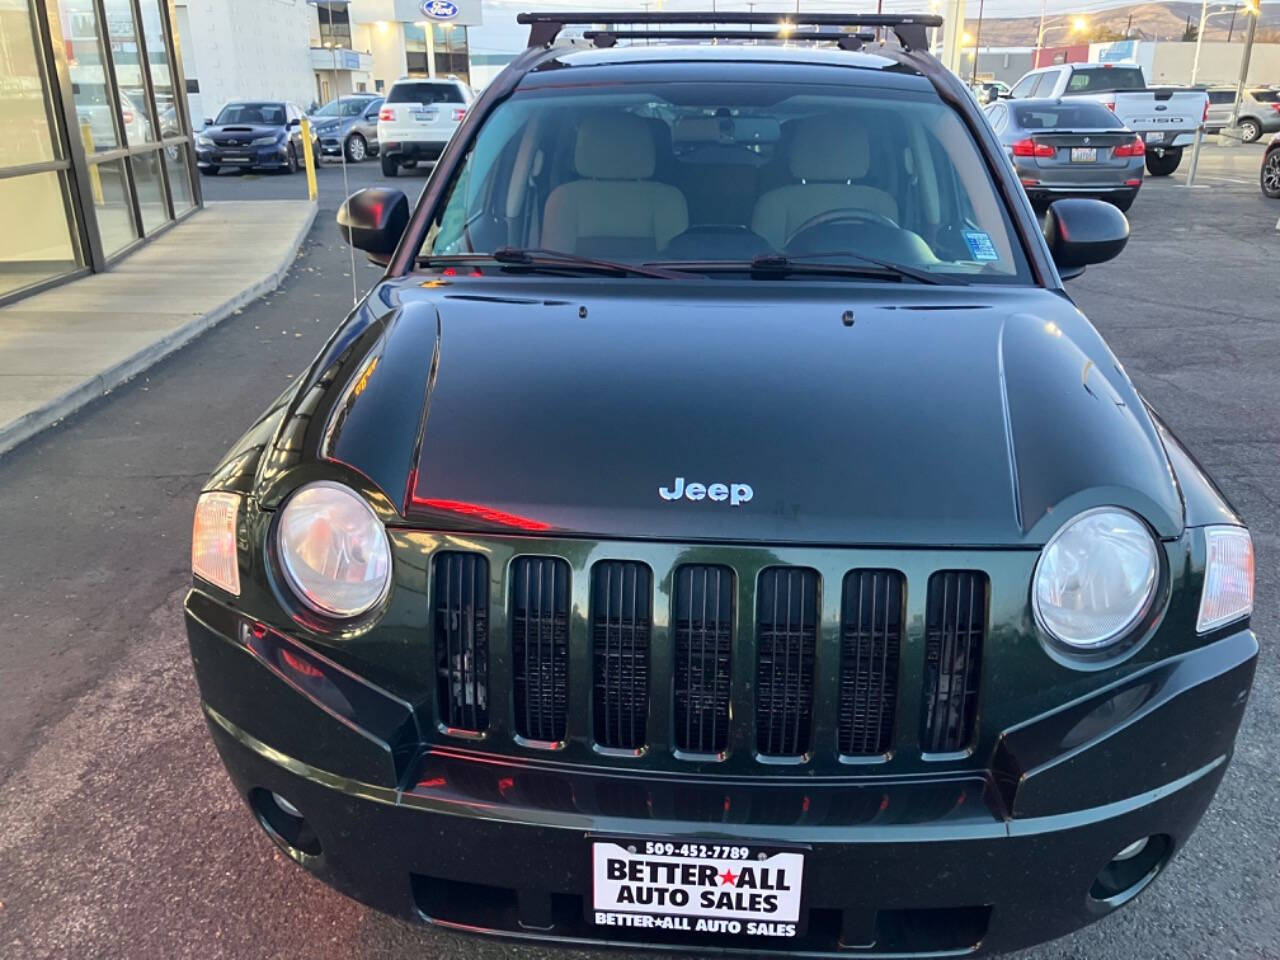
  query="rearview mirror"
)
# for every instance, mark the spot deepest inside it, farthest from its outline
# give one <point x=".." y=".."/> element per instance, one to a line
<point x="373" y="220"/>
<point x="1080" y="232"/>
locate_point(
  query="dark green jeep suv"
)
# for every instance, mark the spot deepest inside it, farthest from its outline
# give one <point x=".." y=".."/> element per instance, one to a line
<point x="719" y="530"/>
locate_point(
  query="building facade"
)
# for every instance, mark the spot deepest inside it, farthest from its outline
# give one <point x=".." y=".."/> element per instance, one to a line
<point x="95" y="140"/>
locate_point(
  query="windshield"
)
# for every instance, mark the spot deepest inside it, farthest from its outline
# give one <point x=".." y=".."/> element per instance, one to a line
<point x="1106" y="80"/>
<point x="680" y="172"/>
<point x="1065" y="116"/>
<point x="268" y="113"/>
<point x="342" y="108"/>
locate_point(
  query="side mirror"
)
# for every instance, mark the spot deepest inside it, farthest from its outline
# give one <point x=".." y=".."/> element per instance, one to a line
<point x="373" y="220"/>
<point x="1081" y="232"/>
<point x="294" y="122"/>
<point x="208" y="121"/>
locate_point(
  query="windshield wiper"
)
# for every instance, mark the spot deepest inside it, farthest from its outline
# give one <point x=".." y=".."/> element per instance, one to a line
<point x="782" y="264"/>
<point x="542" y="257"/>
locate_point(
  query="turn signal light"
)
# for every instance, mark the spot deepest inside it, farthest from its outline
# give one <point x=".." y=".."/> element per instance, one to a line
<point x="1029" y="148"/>
<point x="213" y="541"/>
<point x="387" y="113"/>
<point x="1227" y="593"/>
<point x="1134" y="148"/>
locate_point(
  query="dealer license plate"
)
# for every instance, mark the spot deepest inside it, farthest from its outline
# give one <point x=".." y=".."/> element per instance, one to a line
<point x="685" y="887"/>
<point x="1155" y="136"/>
<point x="1084" y="154"/>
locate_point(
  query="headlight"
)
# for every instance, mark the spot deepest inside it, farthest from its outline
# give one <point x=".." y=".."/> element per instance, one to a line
<point x="204" y="142"/>
<point x="263" y="141"/>
<point x="1228" y="577"/>
<point x="1095" y="578"/>
<point x="333" y="550"/>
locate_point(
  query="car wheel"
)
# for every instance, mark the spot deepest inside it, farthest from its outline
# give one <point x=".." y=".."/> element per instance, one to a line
<point x="291" y="160"/>
<point x="356" y="148"/>
<point x="1124" y="204"/>
<point x="1250" y="130"/>
<point x="1159" y="166"/>
<point x="1271" y="175"/>
<point x="209" y="171"/>
<point x="389" y="166"/>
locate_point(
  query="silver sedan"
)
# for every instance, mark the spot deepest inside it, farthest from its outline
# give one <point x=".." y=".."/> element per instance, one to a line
<point x="1069" y="148"/>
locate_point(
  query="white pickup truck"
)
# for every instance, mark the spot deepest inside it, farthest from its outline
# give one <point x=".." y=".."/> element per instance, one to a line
<point x="1165" y="117"/>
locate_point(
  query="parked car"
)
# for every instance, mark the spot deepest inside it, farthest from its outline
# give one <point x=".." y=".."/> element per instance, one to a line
<point x="94" y="110"/>
<point x="718" y="530"/>
<point x="418" y="118"/>
<point x="252" y="134"/>
<point x="348" y="124"/>
<point x="1270" y="176"/>
<point x="1165" y="117"/>
<point x="1069" y="147"/>
<point x="1259" y="111"/>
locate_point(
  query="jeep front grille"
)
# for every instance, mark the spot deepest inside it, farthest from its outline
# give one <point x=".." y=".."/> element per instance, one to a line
<point x="462" y="640"/>
<point x="621" y="605"/>
<point x="703" y="629"/>
<point x="722" y="658"/>
<point x="786" y="634"/>
<point x="540" y="646"/>
<point x="954" y="626"/>
<point x="870" y="644"/>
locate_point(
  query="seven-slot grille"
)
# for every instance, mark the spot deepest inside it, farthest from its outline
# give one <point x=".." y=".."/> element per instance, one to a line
<point x="697" y="658"/>
<point x="786" y="635"/>
<point x="621" y="601"/>
<point x="870" y="641"/>
<point x="954" y="625"/>
<point x="462" y="639"/>
<point x="540" y="646"/>
<point x="702" y="627"/>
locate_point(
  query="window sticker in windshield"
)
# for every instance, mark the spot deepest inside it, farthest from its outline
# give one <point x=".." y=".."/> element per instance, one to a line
<point x="980" y="246"/>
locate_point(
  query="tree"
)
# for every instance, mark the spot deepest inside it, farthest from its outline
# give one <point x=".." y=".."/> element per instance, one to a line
<point x="1191" y="32"/>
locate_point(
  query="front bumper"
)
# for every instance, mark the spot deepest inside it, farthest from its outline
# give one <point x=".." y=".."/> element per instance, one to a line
<point x="276" y="155"/>
<point x="990" y="859"/>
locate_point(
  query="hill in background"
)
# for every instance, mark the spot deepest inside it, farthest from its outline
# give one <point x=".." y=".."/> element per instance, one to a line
<point x="1141" y="21"/>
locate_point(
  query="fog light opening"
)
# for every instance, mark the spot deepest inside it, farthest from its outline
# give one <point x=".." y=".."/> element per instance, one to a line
<point x="285" y="824"/>
<point x="1130" y="870"/>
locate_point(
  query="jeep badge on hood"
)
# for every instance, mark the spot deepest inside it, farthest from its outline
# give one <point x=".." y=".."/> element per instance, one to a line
<point x="735" y="493"/>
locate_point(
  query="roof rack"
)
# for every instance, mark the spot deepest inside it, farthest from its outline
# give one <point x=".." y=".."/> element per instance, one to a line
<point x="846" y="41"/>
<point x="545" y="27"/>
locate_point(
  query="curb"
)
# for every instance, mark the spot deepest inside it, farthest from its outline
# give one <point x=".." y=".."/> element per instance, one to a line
<point x="100" y="384"/>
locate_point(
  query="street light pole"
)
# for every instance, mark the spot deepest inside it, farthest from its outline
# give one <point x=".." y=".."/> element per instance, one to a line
<point x="1254" y="12"/>
<point x="1044" y="12"/>
<point x="1195" y="64"/>
<point x="977" y="43"/>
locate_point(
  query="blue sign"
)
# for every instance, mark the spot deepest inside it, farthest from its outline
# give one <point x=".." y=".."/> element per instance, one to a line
<point x="439" y="9"/>
<point x="1118" y="52"/>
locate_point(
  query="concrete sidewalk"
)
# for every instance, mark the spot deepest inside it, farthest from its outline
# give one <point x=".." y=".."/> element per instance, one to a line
<point x="63" y="348"/>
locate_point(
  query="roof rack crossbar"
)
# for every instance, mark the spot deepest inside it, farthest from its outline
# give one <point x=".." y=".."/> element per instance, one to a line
<point x="910" y="28"/>
<point x="847" y="41"/>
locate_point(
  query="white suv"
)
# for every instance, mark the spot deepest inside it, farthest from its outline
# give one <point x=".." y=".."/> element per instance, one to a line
<point x="418" y="118"/>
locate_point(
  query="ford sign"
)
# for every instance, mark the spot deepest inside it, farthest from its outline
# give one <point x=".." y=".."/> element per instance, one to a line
<point x="439" y="9"/>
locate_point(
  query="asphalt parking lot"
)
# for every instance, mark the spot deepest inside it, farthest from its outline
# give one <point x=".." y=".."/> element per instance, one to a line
<point x="120" y="835"/>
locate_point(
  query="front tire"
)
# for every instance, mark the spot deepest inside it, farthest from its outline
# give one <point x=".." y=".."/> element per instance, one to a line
<point x="356" y="147"/>
<point x="1250" y="130"/>
<point x="1271" y="175"/>
<point x="1159" y="166"/>
<point x="389" y="166"/>
<point x="291" y="160"/>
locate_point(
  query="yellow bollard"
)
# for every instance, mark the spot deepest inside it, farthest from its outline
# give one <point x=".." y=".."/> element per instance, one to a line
<point x="95" y="178"/>
<point x="310" y="159"/>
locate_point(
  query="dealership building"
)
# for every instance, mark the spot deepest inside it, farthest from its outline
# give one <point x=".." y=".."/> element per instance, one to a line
<point x="95" y="141"/>
<point x="310" y="51"/>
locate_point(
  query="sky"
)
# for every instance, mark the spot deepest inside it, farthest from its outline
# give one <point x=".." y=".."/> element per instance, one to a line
<point x="500" y="34"/>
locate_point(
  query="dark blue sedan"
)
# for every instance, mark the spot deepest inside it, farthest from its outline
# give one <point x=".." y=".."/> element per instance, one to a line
<point x="252" y="134"/>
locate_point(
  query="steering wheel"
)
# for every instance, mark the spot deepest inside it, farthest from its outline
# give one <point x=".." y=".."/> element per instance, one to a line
<point x="842" y="215"/>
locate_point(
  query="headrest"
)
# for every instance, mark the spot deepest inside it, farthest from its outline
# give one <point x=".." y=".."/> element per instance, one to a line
<point x="829" y="148"/>
<point x="614" y="146"/>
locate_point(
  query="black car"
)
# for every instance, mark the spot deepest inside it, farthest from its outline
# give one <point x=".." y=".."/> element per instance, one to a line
<point x="1269" y="177"/>
<point x="253" y="134"/>
<point x="719" y="530"/>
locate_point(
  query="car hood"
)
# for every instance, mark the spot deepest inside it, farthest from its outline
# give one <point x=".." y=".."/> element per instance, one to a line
<point x="970" y="416"/>
<point x="240" y="131"/>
